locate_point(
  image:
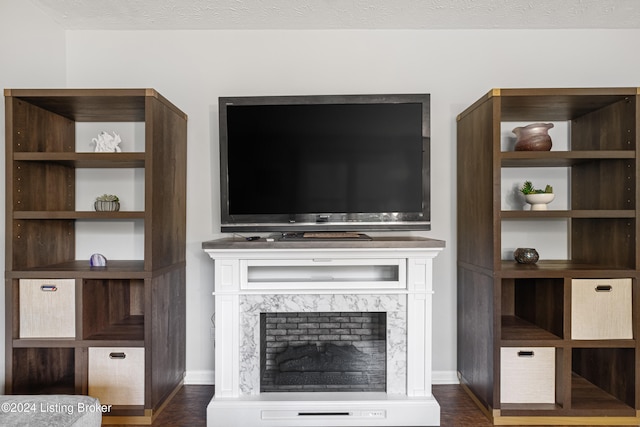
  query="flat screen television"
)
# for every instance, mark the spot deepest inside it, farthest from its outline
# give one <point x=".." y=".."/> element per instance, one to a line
<point x="325" y="163"/>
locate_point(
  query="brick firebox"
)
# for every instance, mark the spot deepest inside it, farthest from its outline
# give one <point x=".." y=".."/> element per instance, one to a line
<point x="323" y="351"/>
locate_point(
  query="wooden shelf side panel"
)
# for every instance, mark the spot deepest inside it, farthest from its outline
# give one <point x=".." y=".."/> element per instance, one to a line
<point x="476" y="135"/>
<point x="476" y="330"/>
<point x="167" y="322"/>
<point x="166" y="193"/>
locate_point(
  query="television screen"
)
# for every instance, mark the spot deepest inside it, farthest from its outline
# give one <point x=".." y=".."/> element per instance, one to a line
<point x="358" y="162"/>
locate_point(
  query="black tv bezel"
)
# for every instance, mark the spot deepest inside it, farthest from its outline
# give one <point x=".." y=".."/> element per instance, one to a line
<point x="326" y="221"/>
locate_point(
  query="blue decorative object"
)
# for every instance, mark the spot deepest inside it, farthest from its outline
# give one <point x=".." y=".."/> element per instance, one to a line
<point x="98" y="260"/>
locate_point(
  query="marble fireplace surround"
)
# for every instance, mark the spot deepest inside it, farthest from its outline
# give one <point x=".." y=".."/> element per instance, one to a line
<point x="391" y="275"/>
<point x="251" y="306"/>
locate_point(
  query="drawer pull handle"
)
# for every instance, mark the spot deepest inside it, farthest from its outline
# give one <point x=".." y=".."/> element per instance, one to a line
<point x="48" y="288"/>
<point x="526" y="353"/>
<point x="604" y="288"/>
<point x="117" y="356"/>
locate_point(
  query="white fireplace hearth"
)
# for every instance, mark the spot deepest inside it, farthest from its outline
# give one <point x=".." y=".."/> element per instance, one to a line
<point x="385" y="275"/>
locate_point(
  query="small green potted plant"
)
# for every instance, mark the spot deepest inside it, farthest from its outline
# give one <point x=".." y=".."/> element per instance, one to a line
<point x="537" y="198"/>
<point x="107" y="203"/>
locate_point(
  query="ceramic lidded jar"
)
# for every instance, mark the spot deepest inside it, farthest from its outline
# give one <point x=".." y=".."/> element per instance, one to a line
<point x="533" y="137"/>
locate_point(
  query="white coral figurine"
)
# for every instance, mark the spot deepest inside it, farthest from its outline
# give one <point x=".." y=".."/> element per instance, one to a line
<point x="107" y="143"/>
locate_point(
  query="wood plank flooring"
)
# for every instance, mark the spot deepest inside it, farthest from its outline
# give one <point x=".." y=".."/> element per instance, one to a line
<point x="189" y="408"/>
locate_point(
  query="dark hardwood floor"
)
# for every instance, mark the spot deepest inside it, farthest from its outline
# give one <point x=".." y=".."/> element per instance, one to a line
<point x="188" y="408"/>
<point x="457" y="409"/>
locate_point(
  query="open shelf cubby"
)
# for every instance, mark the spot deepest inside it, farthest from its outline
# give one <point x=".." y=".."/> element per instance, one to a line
<point x="602" y="380"/>
<point x="43" y="371"/>
<point x="532" y="309"/>
<point x="113" y="309"/>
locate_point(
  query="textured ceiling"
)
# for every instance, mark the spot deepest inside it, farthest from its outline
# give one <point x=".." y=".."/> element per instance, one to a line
<point x="341" y="14"/>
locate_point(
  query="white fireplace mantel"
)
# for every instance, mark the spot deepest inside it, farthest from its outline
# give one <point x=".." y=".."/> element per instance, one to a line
<point x="393" y="275"/>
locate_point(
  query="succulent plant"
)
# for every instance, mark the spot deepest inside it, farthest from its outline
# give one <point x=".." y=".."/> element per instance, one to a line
<point x="527" y="188"/>
<point x="107" y="198"/>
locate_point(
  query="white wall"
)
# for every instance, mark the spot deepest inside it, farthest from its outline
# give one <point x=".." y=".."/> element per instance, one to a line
<point x="193" y="68"/>
<point x="32" y="49"/>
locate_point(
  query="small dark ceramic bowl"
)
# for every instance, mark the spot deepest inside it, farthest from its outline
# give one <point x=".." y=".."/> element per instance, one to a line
<point x="526" y="255"/>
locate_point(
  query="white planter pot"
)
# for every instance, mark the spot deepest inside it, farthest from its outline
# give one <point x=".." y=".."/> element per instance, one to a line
<point x="539" y="201"/>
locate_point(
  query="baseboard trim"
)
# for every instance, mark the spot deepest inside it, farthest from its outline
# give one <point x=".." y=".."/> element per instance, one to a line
<point x="444" y="377"/>
<point x="199" y="378"/>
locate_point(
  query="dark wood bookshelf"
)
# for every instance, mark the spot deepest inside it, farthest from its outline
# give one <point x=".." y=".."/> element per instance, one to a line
<point x="502" y="303"/>
<point x="120" y="306"/>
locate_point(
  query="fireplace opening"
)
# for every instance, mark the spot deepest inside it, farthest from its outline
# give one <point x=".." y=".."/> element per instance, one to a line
<point x="332" y="351"/>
